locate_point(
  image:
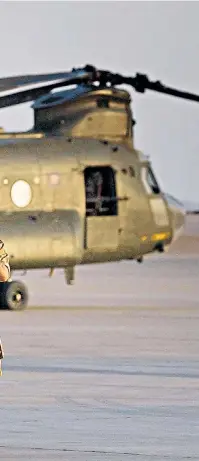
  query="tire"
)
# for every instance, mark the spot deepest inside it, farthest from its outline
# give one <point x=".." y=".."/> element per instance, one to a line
<point x="13" y="296"/>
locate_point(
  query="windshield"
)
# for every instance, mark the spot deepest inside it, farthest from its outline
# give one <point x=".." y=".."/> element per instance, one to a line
<point x="149" y="180"/>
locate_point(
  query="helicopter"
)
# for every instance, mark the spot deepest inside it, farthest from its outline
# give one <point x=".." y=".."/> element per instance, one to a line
<point x="74" y="189"/>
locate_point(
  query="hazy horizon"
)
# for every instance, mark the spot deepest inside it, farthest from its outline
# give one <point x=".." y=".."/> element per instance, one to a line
<point x="157" y="38"/>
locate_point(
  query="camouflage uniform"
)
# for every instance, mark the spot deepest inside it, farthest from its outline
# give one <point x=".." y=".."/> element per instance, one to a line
<point x="1" y="352"/>
<point x="93" y="192"/>
<point x="4" y="258"/>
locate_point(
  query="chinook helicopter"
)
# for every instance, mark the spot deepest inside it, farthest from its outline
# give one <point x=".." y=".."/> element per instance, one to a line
<point x="74" y="189"/>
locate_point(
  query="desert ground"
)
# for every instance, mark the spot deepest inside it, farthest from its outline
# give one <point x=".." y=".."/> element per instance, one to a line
<point x="106" y="369"/>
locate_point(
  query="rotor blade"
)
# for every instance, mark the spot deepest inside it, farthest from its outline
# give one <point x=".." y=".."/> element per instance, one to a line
<point x="43" y="83"/>
<point x="141" y="83"/>
<point x="11" y="83"/>
<point x="51" y="81"/>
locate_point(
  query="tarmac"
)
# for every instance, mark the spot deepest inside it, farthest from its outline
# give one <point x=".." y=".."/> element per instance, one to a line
<point x="106" y="369"/>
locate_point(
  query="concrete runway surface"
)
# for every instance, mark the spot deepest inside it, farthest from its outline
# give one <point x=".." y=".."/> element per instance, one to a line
<point x="106" y="369"/>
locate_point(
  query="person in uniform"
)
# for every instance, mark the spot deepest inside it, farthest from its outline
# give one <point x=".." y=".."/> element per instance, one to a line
<point x="4" y="277"/>
<point x="90" y="195"/>
<point x="94" y="184"/>
<point x="98" y="179"/>
<point x="4" y="263"/>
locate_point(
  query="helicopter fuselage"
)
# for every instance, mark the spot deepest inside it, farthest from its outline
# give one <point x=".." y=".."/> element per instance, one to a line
<point x="47" y="217"/>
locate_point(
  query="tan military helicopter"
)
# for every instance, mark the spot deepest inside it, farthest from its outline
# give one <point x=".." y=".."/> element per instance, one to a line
<point x="73" y="189"/>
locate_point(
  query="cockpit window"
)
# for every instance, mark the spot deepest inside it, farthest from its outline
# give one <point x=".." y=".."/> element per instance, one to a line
<point x="152" y="182"/>
<point x="149" y="181"/>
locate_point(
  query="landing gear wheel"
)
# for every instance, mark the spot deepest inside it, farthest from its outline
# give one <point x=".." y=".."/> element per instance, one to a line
<point x="13" y="296"/>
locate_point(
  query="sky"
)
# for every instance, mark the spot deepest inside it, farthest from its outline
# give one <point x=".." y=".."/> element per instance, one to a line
<point x="160" y="39"/>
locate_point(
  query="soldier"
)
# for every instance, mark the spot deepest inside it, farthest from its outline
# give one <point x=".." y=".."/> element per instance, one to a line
<point x="4" y="277"/>
<point x="4" y="264"/>
<point x="98" y="179"/>
<point x="94" y="192"/>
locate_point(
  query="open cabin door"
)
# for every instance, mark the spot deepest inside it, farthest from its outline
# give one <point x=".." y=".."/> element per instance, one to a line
<point x="102" y="222"/>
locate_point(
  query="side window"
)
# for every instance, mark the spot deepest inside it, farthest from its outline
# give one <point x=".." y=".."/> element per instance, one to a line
<point x="100" y="191"/>
<point x="152" y="182"/>
<point x="149" y="181"/>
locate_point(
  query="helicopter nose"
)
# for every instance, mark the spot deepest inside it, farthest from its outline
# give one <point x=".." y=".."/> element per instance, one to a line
<point x="178" y="216"/>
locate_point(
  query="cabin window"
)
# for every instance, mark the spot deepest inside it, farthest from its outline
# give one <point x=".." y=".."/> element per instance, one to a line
<point x="100" y="191"/>
<point x="21" y="193"/>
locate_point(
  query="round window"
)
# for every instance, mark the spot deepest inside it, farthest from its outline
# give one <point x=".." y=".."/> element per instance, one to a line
<point x="21" y="193"/>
